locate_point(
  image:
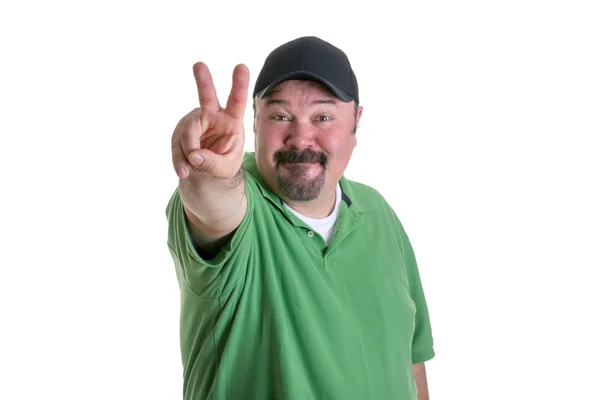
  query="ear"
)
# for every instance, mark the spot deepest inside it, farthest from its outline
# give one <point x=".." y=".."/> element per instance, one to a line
<point x="358" y="115"/>
<point x="254" y="115"/>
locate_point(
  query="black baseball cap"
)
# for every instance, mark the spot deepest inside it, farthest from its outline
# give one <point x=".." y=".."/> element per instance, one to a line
<point x="308" y="58"/>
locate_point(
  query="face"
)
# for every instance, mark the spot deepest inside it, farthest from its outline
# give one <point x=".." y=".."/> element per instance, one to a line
<point x="304" y="139"/>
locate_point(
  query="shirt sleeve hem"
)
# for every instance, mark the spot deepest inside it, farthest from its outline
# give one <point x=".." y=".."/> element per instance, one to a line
<point x="422" y="355"/>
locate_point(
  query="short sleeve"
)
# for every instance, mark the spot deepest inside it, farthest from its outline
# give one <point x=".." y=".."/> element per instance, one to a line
<point x="213" y="277"/>
<point x="422" y="346"/>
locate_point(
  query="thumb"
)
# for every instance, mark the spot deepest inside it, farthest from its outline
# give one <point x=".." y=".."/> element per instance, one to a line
<point x="208" y="162"/>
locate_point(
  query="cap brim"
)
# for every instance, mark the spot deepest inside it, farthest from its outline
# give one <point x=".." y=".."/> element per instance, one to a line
<point x="342" y="95"/>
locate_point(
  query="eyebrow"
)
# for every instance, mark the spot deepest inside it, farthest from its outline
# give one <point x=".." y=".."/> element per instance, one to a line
<point x="287" y="102"/>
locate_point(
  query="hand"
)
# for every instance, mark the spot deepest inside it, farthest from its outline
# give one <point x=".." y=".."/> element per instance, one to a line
<point x="210" y="139"/>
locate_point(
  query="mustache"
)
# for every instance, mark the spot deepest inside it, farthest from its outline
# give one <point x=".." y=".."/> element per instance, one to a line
<point x="295" y="156"/>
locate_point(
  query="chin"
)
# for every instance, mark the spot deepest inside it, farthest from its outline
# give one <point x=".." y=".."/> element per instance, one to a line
<point x="298" y="187"/>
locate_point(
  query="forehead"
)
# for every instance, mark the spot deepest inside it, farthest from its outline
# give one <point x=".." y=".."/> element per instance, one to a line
<point x="298" y="89"/>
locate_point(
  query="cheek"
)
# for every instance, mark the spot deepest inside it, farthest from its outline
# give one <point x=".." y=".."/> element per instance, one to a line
<point x="268" y="136"/>
<point x="338" y="146"/>
<point x="268" y="141"/>
<point x="340" y="150"/>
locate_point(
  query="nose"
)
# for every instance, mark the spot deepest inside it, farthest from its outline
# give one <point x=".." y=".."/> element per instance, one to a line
<point x="300" y="135"/>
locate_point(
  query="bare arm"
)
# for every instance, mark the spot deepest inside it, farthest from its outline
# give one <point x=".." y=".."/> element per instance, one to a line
<point x="207" y="147"/>
<point x="214" y="208"/>
<point x="421" y="381"/>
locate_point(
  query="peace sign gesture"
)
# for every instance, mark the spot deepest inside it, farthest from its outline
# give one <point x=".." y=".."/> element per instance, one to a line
<point x="210" y="139"/>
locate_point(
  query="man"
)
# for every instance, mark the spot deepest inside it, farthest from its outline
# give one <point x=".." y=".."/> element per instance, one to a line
<point x="296" y="283"/>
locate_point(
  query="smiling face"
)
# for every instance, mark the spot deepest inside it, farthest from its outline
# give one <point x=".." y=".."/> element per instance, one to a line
<point x="304" y="139"/>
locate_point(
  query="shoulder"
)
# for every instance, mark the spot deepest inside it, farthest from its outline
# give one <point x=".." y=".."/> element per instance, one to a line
<point x="371" y="202"/>
<point x="250" y="166"/>
<point x="366" y="197"/>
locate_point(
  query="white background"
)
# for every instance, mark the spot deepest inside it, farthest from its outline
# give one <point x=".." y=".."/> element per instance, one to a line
<point x="481" y="126"/>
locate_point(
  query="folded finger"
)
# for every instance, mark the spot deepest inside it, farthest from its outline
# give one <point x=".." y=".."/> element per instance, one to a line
<point x="180" y="163"/>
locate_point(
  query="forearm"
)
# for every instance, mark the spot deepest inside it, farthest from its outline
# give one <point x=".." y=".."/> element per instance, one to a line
<point x="420" y="376"/>
<point x="215" y="207"/>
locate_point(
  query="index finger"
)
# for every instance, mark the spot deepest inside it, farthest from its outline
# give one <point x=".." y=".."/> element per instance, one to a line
<point x="206" y="89"/>
<point x="236" y="103"/>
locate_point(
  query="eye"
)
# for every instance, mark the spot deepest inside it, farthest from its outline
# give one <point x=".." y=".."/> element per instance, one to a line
<point x="323" y="118"/>
<point x="279" y="117"/>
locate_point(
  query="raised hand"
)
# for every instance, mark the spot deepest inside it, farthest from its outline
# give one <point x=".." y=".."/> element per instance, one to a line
<point x="210" y="139"/>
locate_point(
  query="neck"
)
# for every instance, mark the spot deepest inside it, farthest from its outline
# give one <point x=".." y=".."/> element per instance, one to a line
<point x="320" y="207"/>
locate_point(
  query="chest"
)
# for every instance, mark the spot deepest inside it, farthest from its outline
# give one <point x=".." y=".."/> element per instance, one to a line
<point x="356" y="283"/>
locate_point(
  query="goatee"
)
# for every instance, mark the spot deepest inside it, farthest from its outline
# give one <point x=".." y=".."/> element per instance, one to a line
<point x="297" y="184"/>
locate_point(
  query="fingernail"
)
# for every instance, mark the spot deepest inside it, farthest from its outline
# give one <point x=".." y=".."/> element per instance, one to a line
<point x="197" y="159"/>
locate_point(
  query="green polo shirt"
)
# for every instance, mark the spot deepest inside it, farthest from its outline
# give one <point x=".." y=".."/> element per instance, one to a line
<point x="279" y="314"/>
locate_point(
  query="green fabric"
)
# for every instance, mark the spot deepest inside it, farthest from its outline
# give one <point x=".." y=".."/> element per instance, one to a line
<point x="278" y="314"/>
